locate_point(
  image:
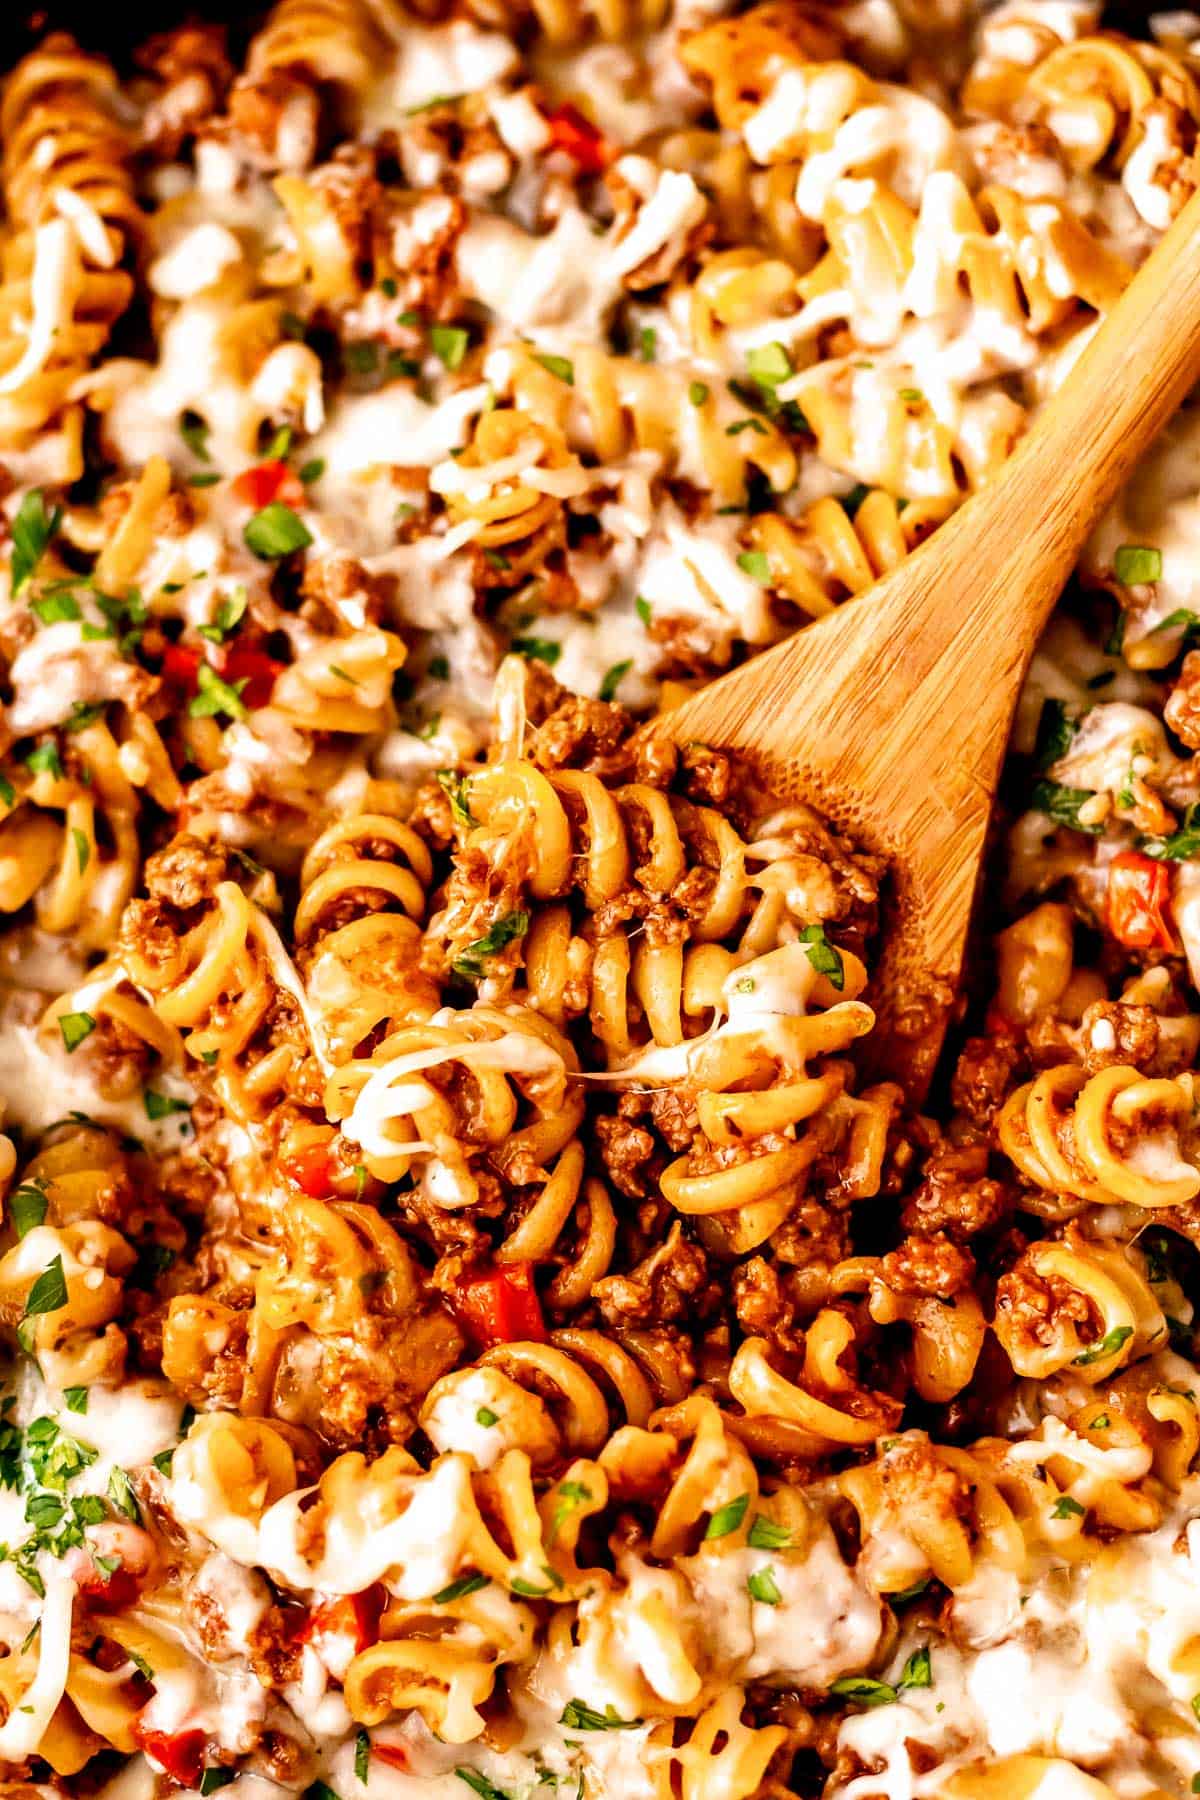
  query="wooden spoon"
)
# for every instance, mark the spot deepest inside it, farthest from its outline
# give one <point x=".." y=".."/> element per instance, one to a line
<point x="891" y="713"/>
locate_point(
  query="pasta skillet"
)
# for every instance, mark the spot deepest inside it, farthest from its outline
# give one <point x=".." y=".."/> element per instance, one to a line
<point x="469" y="1322"/>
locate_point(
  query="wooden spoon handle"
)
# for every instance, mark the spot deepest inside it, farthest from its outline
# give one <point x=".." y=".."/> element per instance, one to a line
<point x="1031" y="522"/>
<point x="962" y="615"/>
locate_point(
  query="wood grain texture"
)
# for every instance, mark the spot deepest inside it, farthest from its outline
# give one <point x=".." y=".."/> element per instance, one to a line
<point x="891" y="714"/>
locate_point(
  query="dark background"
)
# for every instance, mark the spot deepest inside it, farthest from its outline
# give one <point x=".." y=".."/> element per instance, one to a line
<point x="115" y="25"/>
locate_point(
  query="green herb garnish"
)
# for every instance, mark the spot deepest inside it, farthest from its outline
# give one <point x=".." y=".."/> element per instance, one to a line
<point x="276" y="531"/>
<point x="32" y="529"/>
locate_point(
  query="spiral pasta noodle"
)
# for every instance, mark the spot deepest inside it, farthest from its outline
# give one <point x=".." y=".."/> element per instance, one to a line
<point x="67" y="174"/>
<point x="69" y="1187"/>
<point x="1064" y="1133"/>
<point x="476" y="1319"/>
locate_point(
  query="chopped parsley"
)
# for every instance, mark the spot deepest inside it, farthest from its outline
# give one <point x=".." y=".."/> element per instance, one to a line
<point x="83" y="715"/>
<point x="75" y="1027"/>
<point x="917" y="1673"/>
<point x="32" y="530"/>
<point x="1062" y="804"/>
<point x="56" y="608"/>
<point x="825" y="957"/>
<point x="213" y="1779"/>
<point x="449" y="344"/>
<point x="215" y="696"/>
<point x="529" y="1589"/>
<point x="1137" y="563"/>
<point x="1067" y="1508"/>
<point x="41" y="1468"/>
<point x="55" y="1457"/>
<point x="754" y="563"/>
<point x="194" y="431"/>
<point x="458" y="1590"/>
<point x="698" y="392"/>
<point x="44" y="759"/>
<point x="765" y="1534"/>
<point x="1182" y="619"/>
<point x="229" y="613"/>
<point x="76" y="1399"/>
<point x="481" y="1785"/>
<point x="506" y="930"/>
<point x="559" y="366"/>
<point x="768" y="365"/>
<point x="1055" y="733"/>
<point x="642" y="608"/>
<point x="613" y="678"/>
<point x="863" y="1691"/>
<point x="581" y="1717"/>
<point x="763" y="1587"/>
<point x="312" y="470"/>
<point x="910" y="1593"/>
<point x="49" y="1292"/>
<point x="411" y="112"/>
<point x="83" y="849"/>
<point x="486" y="1417"/>
<point x="27" y="1207"/>
<point x="727" y="1518"/>
<point x="276" y="531"/>
<point x="362" y="1754"/>
<point x="455" y="789"/>
<point x="1181" y="845"/>
<point x="161" y="1106"/>
<point x="1108" y="1345"/>
<point x="536" y="649"/>
<point x="1155" y="1247"/>
<point x="570" y="1496"/>
<point x="120" y="1492"/>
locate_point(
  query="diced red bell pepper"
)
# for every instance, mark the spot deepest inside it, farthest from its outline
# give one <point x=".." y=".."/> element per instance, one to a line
<point x="114" y="1591"/>
<point x="501" y="1306"/>
<point x="311" y="1169"/>
<point x="268" y="481"/>
<point x="180" y="1753"/>
<point x="342" y="1628"/>
<point x="180" y="667"/>
<point x="250" y="663"/>
<point x="998" y="1024"/>
<point x="1137" y="904"/>
<point x="581" y="140"/>
<point x="393" y="1754"/>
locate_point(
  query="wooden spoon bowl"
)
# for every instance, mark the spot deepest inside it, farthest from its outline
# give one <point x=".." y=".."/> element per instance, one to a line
<point x="891" y="714"/>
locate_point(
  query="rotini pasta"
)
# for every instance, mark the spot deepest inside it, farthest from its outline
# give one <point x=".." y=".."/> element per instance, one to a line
<point x="473" y="1321"/>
